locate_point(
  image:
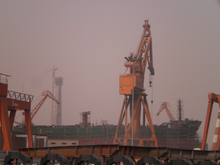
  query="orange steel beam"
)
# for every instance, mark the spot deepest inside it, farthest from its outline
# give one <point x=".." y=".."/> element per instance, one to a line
<point x="11" y="121"/>
<point x="120" y="119"/>
<point x="212" y="98"/>
<point x="135" y="114"/>
<point x="216" y="138"/>
<point x="163" y="153"/>
<point x="147" y="112"/>
<point x="29" y="130"/>
<point x="18" y="104"/>
<point x="207" y="123"/>
<point x="12" y="117"/>
<point x="5" y="124"/>
<point x="124" y="140"/>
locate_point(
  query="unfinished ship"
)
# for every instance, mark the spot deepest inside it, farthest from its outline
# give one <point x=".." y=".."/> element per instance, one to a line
<point x="173" y="134"/>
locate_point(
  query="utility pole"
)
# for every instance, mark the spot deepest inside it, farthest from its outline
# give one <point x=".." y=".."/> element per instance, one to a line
<point x="53" y="113"/>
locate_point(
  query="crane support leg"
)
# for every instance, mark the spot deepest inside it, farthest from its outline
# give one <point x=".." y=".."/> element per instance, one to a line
<point x="126" y="140"/>
<point x="5" y="124"/>
<point x="11" y="120"/>
<point x="207" y="122"/>
<point x="12" y="117"/>
<point x="120" y="120"/>
<point x="29" y="130"/>
<point x="216" y="138"/>
<point x="147" y="113"/>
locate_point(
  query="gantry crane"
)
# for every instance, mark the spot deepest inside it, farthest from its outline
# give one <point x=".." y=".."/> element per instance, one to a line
<point x="10" y="103"/>
<point x="34" y="111"/>
<point x="132" y="87"/>
<point x="163" y="106"/>
<point x="216" y="139"/>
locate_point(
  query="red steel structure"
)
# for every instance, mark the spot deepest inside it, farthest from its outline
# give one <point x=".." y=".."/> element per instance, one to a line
<point x="134" y="81"/>
<point x="216" y="139"/>
<point x="10" y="103"/>
<point x="163" y="106"/>
<point x="85" y="119"/>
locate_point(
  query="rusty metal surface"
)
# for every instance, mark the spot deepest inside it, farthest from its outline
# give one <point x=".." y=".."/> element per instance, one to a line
<point x="137" y="152"/>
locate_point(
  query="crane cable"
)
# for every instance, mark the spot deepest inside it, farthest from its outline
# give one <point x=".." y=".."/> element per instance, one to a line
<point x="150" y="85"/>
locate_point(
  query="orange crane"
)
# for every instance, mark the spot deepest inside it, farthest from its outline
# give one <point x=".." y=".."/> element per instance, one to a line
<point x="34" y="111"/>
<point x="216" y="139"/>
<point x="163" y="106"/>
<point x="132" y="87"/>
<point x="10" y="103"/>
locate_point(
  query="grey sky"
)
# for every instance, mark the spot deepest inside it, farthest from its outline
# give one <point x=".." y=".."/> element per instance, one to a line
<point x="88" y="40"/>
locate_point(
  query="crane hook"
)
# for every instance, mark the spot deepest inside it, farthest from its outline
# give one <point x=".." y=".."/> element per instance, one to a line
<point x="150" y="82"/>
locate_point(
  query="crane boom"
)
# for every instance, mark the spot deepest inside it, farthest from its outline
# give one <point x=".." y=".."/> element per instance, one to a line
<point x="145" y="49"/>
<point x="34" y="111"/>
<point x="163" y="106"/>
<point x="45" y="94"/>
<point x="216" y="139"/>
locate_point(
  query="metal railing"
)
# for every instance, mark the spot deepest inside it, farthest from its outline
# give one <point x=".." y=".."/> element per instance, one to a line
<point x="20" y="96"/>
<point x="4" y="78"/>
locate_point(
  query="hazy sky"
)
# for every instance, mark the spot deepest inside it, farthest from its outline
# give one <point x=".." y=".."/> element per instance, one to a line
<point x="88" y="40"/>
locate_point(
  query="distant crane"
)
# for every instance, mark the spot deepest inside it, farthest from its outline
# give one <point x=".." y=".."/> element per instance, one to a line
<point x="34" y="111"/>
<point x="163" y="106"/>
<point x="53" y="114"/>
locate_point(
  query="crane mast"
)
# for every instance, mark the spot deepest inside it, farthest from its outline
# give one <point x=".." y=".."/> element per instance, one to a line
<point x="132" y="87"/>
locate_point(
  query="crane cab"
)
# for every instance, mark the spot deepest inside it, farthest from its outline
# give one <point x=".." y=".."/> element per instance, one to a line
<point x="126" y="84"/>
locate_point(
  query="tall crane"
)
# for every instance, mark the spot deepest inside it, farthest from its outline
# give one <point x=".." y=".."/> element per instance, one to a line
<point x="163" y="106"/>
<point x="132" y="87"/>
<point x="53" y="113"/>
<point x="216" y="139"/>
<point x="34" y="111"/>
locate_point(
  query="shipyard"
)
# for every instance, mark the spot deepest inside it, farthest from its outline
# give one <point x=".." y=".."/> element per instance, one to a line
<point x="109" y="83"/>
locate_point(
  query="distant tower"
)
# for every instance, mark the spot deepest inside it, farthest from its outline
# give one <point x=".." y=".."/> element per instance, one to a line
<point x="53" y="110"/>
<point x="58" y="115"/>
<point x="85" y="119"/>
<point x="180" y="109"/>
